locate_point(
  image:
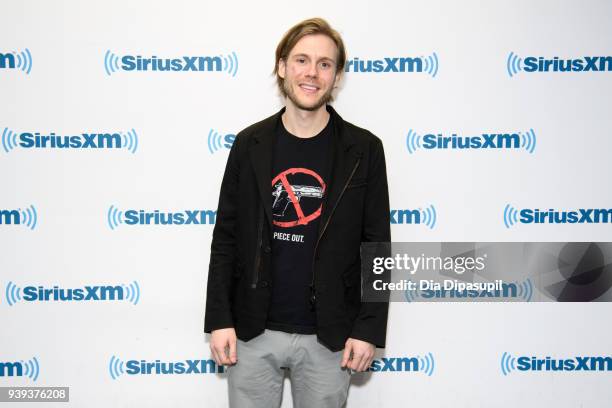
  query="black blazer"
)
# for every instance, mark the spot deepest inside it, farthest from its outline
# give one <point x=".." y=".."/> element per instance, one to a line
<point x="355" y="209"/>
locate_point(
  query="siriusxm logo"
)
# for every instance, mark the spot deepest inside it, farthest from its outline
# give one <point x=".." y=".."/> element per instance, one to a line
<point x="29" y="368"/>
<point x="430" y="141"/>
<point x="129" y="293"/>
<point x="424" y="364"/>
<point x="427" y="217"/>
<point x="21" y="60"/>
<point x="116" y="217"/>
<point x="428" y="65"/>
<point x="27" y="217"/>
<point x="221" y="63"/>
<point x="533" y="363"/>
<point x="118" y="367"/>
<point x="518" y="290"/>
<point x="515" y="64"/>
<point x="512" y="216"/>
<point x="27" y="140"/>
<point x="217" y="141"/>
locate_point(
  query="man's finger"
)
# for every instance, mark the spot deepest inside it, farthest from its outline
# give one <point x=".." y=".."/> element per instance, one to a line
<point x="347" y="354"/>
<point x="233" y="357"/>
<point x="215" y="356"/>
<point x="365" y="363"/>
<point x="222" y="356"/>
<point x="356" y="361"/>
<point x="369" y="363"/>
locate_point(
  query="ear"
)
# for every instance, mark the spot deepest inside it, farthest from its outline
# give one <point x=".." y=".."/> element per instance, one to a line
<point x="338" y="78"/>
<point x="281" y="68"/>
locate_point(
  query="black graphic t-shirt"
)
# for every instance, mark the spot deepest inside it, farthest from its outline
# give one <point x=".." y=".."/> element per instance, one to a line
<point x="299" y="183"/>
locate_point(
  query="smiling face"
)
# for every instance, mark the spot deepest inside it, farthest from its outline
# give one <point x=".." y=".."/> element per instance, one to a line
<point x="309" y="72"/>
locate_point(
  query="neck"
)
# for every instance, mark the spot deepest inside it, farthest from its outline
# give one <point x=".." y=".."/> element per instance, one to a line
<point x="304" y="123"/>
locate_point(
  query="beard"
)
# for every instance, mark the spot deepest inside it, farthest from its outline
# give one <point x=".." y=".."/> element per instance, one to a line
<point x="323" y="100"/>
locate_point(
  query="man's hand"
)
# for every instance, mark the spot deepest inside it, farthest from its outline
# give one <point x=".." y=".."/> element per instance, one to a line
<point x="220" y="341"/>
<point x="358" y="354"/>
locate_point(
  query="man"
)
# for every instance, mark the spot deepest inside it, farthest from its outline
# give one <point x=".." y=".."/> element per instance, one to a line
<point x="301" y="190"/>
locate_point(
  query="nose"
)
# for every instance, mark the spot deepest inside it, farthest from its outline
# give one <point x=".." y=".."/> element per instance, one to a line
<point x="312" y="70"/>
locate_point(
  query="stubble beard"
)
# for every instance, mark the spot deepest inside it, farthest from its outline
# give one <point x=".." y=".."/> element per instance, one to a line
<point x="323" y="100"/>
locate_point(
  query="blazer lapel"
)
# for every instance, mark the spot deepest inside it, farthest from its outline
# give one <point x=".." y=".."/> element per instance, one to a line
<point x="341" y="161"/>
<point x="260" y="153"/>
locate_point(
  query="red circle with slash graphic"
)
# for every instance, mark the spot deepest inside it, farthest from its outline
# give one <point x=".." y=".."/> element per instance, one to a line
<point x="302" y="219"/>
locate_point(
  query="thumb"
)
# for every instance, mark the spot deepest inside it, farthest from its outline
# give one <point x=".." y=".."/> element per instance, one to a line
<point x="348" y="347"/>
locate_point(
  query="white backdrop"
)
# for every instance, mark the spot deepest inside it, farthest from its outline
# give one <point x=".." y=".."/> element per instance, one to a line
<point x="60" y="84"/>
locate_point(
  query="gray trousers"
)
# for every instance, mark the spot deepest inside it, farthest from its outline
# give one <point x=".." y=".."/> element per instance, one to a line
<point x="317" y="380"/>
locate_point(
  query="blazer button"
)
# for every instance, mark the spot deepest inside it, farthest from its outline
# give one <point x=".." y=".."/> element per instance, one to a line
<point x="267" y="250"/>
<point x="264" y="284"/>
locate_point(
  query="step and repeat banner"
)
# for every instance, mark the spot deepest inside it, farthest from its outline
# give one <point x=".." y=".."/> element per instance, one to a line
<point x="116" y="119"/>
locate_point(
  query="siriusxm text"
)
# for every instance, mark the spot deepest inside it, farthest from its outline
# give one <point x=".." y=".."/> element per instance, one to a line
<point x="86" y="293"/>
<point x="484" y="141"/>
<point x="11" y="369"/>
<point x="579" y="216"/>
<point x="555" y="64"/>
<point x="389" y="64"/>
<point x="134" y="367"/>
<point x="8" y="217"/>
<point x="83" y="141"/>
<point x="7" y="60"/>
<point x="394" y="364"/>
<point x="405" y="217"/>
<point x="187" y="217"/>
<point x="139" y="63"/>
<point x="578" y="363"/>
<point x="228" y="140"/>
<point x="508" y="290"/>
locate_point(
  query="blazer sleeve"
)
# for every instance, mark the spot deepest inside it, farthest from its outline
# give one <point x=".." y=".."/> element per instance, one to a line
<point x="218" y="313"/>
<point x="371" y="322"/>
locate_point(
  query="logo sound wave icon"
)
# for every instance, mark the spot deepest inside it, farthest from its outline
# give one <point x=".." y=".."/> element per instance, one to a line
<point x="111" y="62"/>
<point x="413" y="141"/>
<point x="32" y="368"/>
<point x="132" y="292"/>
<point x="513" y="64"/>
<point x="114" y="217"/>
<point x="214" y="141"/>
<point x="411" y="295"/>
<point x="115" y="367"/>
<point x="28" y="217"/>
<point x="9" y="140"/>
<point x="528" y="140"/>
<point x="12" y="293"/>
<point x="508" y="363"/>
<point x="428" y="216"/>
<point x="426" y="364"/>
<point x="130" y="140"/>
<point x="525" y="289"/>
<point x="230" y="63"/>
<point x="21" y="60"/>
<point x="431" y="64"/>
<point x="510" y="216"/>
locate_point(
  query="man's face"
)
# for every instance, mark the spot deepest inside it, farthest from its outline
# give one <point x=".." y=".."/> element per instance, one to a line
<point x="309" y="72"/>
